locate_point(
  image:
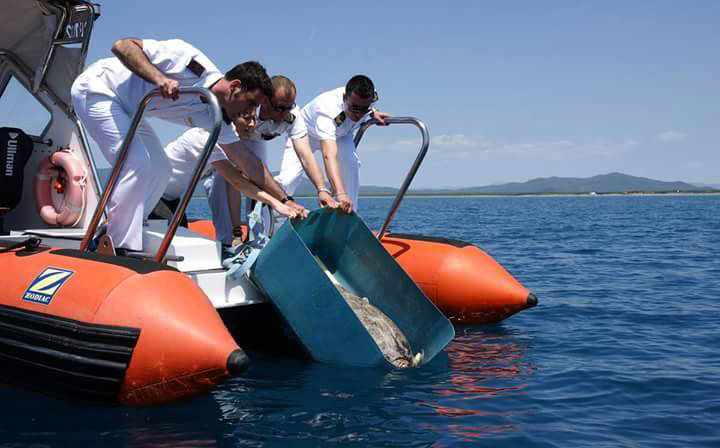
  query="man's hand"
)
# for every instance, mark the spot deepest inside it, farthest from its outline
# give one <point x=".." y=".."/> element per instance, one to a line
<point x="287" y="211"/>
<point x="380" y="117"/>
<point x="169" y="88"/>
<point x="326" y="200"/>
<point x="346" y="204"/>
<point x="302" y="212"/>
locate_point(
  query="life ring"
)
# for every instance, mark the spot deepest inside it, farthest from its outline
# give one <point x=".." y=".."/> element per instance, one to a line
<point x="64" y="173"/>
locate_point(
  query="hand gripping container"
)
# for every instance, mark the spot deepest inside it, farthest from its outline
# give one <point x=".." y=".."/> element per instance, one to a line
<point x="326" y="326"/>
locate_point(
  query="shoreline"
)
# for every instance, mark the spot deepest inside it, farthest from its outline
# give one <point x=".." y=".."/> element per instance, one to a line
<point x="525" y="195"/>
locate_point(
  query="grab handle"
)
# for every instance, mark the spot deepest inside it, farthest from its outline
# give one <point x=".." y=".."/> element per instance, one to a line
<point x="413" y="169"/>
<point x="214" y="106"/>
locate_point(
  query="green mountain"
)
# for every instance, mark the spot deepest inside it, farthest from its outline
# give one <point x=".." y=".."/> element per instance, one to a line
<point x="603" y="183"/>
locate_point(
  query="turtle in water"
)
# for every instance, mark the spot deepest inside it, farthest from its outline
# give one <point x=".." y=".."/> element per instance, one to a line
<point x="389" y="338"/>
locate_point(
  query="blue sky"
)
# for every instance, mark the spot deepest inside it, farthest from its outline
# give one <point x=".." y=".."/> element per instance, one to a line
<point x="510" y="90"/>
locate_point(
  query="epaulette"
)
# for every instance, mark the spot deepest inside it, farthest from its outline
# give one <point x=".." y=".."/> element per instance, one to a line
<point x="290" y="118"/>
<point x="340" y="118"/>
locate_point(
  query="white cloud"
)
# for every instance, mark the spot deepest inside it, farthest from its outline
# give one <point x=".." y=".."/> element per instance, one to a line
<point x="442" y="140"/>
<point x="672" y="136"/>
<point x="463" y="147"/>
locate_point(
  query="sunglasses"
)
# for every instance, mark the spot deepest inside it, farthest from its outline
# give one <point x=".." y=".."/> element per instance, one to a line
<point x="280" y="107"/>
<point x="363" y="109"/>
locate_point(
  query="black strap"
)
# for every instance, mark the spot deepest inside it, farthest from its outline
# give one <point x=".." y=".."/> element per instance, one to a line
<point x="28" y="244"/>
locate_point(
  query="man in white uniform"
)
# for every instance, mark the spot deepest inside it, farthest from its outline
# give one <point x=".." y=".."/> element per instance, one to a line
<point x="107" y="94"/>
<point x="277" y="116"/>
<point x="330" y="119"/>
<point x="183" y="154"/>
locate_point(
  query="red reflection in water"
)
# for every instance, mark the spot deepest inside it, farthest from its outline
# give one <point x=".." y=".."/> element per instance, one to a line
<point x="481" y="366"/>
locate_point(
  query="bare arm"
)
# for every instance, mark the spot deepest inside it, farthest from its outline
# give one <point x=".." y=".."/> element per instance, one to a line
<point x="130" y="52"/>
<point x="329" y="150"/>
<point x="235" y="178"/>
<point x="304" y="153"/>
<point x="253" y="168"/>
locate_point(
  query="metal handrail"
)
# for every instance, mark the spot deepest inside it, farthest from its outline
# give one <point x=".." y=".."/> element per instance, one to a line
<point x="413" y="169"/>
<point x="214" y="106"/>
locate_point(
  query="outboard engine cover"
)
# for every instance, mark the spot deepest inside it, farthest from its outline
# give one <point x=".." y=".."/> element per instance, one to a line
<point x="15" y="150"/>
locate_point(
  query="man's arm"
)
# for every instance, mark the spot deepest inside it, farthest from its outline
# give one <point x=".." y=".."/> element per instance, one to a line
<point x="304" y="153"/>
<point x="235" y="178"/>
<point x="257" y="172"/>
<point x="329" y="150"/>
<point x="130" y="52"/>
<point x="253" y="168"/>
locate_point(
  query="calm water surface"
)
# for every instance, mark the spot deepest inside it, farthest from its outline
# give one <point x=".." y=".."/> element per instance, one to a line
<point x="623" y="350"/>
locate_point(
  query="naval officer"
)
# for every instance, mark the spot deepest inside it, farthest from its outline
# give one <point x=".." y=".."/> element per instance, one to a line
<point x="330" y="119"/>
<point x="183" y="154"/>
<point x="107" y="94"/>
<point x="279" y="116"/>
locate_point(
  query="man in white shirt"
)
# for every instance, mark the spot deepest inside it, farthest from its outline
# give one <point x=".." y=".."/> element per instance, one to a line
<point x="107" y="94"/>
<point x="277" y="116"/>
<point x="183" y="154"/>
<point x="330" y="119"/>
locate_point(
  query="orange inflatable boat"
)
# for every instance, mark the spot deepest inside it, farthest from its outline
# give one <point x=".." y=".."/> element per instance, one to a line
<point x="102" y="329"/>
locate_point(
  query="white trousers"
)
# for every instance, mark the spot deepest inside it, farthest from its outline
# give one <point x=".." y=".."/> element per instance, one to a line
<point x="145" y="173"/>
<point x="292" y="173"/>
<point x="216" y="188"/>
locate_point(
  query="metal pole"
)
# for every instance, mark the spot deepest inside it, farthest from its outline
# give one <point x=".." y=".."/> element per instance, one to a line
<point x="209" y="145"/>
<point x="413" y="169"/>
<point x="124" y="149"/>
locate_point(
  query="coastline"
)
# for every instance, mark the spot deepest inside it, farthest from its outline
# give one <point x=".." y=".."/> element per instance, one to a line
<point x="525" y="195"/>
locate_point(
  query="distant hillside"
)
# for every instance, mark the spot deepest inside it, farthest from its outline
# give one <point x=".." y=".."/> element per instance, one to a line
<point x="604" y="183"/>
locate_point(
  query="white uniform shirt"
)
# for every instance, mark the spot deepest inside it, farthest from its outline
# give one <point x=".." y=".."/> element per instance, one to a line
<point x="322" y="116"/>
<point x="183" y="155"/>
<point x="111" y="78"/>
<point x="293" y="126"/>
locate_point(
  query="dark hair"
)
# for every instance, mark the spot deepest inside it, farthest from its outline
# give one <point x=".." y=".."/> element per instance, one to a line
<point x="253" y="76"/>
<point x="361" y="85"/>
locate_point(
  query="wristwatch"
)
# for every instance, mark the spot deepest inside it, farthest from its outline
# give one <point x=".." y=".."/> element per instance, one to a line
<point x="287" y="198"/>
<point x="322" y="189"/>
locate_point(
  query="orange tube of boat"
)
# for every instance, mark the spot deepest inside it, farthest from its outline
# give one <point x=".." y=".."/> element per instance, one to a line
<point x="151" y="327"/>
<point x="464" y="282"/>
<point x="204" y="227"/>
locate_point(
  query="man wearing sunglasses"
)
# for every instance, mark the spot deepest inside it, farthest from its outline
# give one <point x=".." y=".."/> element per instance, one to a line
<point x="330" y="119"/>
<point x="277" y="116"/>
<point x="183" y="154"/>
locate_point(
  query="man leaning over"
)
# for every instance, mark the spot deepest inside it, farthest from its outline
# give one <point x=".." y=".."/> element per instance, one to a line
<point x="107" y="94"/>
<point x="331" y="118"/>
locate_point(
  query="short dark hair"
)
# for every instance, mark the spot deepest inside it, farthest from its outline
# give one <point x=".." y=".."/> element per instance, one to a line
<point x="253" y="76"/>
<point x="361" y="86"/>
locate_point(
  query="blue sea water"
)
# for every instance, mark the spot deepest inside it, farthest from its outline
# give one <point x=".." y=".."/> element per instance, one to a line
<point x="622" y="351"/>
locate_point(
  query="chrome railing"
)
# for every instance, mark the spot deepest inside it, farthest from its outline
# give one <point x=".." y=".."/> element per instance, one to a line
<point x="214" y="106"/>
<point x="413" y="169"/>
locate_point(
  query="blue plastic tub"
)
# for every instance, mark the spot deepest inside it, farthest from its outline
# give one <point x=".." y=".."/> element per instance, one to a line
<point x="313" y="308"/>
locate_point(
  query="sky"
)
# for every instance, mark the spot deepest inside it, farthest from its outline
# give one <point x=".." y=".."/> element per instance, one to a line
<point x="509" y="90"/>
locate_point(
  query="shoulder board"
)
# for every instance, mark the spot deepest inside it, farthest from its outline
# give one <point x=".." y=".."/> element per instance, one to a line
<point x="290" y="118"/>
<point x="340" y="118"/>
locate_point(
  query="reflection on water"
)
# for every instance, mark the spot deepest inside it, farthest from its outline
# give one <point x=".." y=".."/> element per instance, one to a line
<point x="281" y="401"/>
<point x="483" y="364"/>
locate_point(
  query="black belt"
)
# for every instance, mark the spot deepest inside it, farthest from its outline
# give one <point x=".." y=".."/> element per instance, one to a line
<point x="196" y="67"/>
